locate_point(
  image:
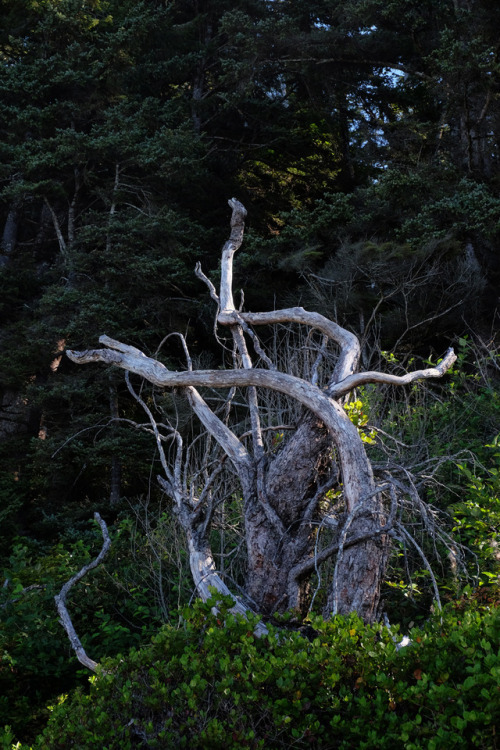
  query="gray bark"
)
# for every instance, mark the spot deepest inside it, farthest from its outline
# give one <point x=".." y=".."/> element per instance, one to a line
<point x="283" y="493"/>
<point x="301" y="467"/>
<point x="60" y="598"/>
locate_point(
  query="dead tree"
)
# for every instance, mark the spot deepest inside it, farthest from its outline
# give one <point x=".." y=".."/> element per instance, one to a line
<point x="286" y="492"/>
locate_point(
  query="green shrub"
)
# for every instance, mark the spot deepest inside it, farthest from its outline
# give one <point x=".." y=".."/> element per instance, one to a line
<point x="110" y="611"/>
<point x="212" y="683"/>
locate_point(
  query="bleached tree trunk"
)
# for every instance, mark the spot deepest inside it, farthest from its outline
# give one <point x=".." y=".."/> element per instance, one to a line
<point x="285" y="500"/>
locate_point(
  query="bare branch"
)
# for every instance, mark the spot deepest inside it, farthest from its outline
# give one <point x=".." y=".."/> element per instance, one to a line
<point x="362" y="378"/>
<point x="211" y="289"/>
<point x="206" y="578"/>
<point x="427" y="564"/>
<point x="430" y="319"/>
<point x="320" y="492"/>
<point x="307" y="566"/>
<point x="255" y="342"/>
<point x="227" y="305"/>
<point x="204" y="508"/>
<point x="156" y="432"/>
<point x="355" y="465"/>
<point x="189" y="361"/>
<point x="62" y="242"/>
<point x="349" y="345"/>
<point x="60" y="598"/>
<point x="32" y="587"/>
<point x="99" y="425"/>
<point x="125" y="356"/>
<point x="318" y="360"/>
<point x="227" y="440"/>
<point x="228" y="251"/>
<point x="272" y="428"/>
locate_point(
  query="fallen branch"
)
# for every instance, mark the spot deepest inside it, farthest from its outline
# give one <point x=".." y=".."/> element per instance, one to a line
<point x="60" y="598"/>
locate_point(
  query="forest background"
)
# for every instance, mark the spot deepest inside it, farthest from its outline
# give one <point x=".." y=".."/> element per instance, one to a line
<point x="362" y="136"/>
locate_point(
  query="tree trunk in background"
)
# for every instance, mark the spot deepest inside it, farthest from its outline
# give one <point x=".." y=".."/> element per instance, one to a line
<point x="9" y="235"/>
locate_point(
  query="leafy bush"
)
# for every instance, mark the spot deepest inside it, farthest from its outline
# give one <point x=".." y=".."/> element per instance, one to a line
<point x="448" y="440"/>
<point x="111" y="613"/>
<point x="212" y="683"/>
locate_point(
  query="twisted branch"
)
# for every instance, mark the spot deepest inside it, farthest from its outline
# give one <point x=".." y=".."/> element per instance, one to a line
<point x="60" y="598"/>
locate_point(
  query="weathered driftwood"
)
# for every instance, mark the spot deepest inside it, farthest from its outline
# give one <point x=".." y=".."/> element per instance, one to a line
<point x="282" y="493"/>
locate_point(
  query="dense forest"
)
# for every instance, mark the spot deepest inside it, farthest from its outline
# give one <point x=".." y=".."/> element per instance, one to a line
<point x="362" y="138"/>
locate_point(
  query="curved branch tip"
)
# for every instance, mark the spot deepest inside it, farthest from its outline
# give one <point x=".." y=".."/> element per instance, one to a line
<point x="239" y="210"/>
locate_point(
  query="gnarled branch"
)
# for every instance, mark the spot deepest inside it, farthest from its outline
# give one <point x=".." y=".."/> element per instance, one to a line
<point x="60" y="598"/>
<point x="362" y="378"/>
<point x="355" y="465"/>
<point x="269" y="518"/>
<point x="349" y="345"/>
